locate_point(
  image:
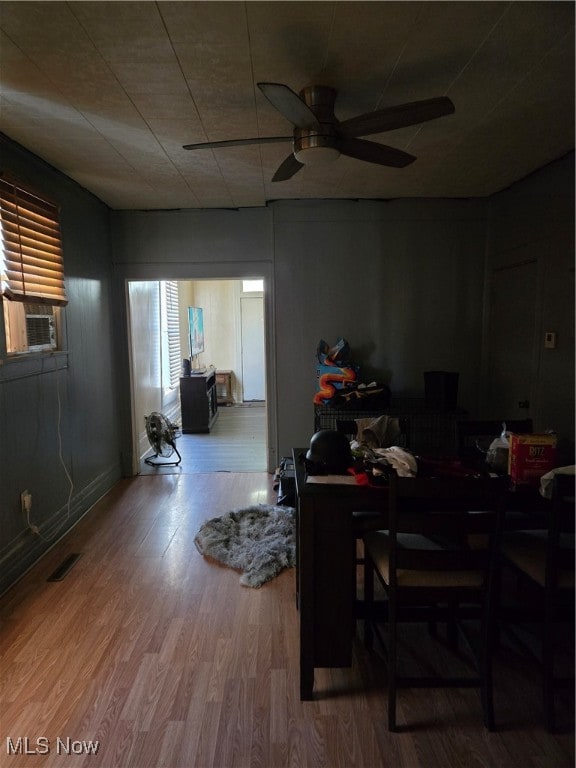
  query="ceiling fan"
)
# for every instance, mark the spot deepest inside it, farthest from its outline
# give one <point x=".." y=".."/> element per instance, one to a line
<point x="319" y="137"/>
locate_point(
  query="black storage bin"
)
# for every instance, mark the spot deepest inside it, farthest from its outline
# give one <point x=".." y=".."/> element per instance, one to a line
<point x="441" y="390"/>
<point x="287" y="486"/>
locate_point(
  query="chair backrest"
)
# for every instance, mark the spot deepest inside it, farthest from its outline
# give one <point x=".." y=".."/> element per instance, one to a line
<point x="455" y="512"/>
<point x="560" y="540"/>
<point x="469" y="431"/>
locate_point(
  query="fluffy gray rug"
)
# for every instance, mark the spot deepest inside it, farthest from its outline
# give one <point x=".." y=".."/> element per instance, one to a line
<point x="260" y="541"/>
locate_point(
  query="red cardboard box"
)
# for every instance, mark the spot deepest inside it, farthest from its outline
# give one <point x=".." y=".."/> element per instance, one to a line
<point x="530" y="457"/>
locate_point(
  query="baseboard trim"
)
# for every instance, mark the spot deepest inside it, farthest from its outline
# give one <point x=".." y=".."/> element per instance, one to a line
<point x="27" y="548"/>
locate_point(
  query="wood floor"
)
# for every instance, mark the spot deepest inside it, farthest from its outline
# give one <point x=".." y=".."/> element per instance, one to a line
<point x="236" y="443"/>
<point x="165" y="660"/>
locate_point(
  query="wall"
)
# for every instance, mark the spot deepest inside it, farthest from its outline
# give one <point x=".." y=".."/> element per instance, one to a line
<point x="219" y="299"/>
<point x="193" y="246"/>
<point x="401" y="280"/>
<point x="534" y="221"/>
<point x="68" y="400"/>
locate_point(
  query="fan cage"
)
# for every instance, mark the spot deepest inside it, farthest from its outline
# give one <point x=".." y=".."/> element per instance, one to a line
<point x="162" y="434"/>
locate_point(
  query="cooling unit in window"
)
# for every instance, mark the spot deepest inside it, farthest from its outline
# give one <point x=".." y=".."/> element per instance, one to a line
<point x="40" y="327"/>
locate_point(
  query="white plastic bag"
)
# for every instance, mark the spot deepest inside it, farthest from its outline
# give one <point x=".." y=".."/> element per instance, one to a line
<point x="497" y="454"/>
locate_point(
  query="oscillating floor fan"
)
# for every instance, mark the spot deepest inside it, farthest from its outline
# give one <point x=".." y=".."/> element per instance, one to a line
<point x="162" y="436"/>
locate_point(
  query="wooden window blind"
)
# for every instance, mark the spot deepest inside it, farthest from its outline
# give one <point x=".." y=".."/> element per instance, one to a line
<point x="32" y="266"/>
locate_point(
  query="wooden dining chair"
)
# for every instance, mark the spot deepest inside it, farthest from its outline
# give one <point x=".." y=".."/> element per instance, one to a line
<point x="369" y="520"/>
<point x="543" y="560"/>
<point x="430" y="573"/>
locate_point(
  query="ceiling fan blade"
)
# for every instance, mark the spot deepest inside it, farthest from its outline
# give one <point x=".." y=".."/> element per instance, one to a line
<point x="396" y="117"/>
<point x="290" y="105"/>
<point x="375" y="153"/>
<point x="237" y="142"/>
<point x="287" y="169"/>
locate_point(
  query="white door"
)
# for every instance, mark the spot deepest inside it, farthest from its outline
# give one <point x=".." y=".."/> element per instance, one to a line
<point x="252" y="330"/>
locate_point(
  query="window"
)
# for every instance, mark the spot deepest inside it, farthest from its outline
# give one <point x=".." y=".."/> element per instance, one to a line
<point x="31" y="270"/>
<point x="252" y="286"/>
<point x="170" y="323"/>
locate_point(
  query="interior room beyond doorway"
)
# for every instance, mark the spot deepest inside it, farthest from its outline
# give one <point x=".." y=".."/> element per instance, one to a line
<point x="233" y="346"/>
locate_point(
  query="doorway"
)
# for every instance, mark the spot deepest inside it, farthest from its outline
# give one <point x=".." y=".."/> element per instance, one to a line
<point x="252" y="341"/>
<point x="221" y="301"/>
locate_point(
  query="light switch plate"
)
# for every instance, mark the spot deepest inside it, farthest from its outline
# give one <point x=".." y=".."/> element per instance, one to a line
<point x="550" y="340"/>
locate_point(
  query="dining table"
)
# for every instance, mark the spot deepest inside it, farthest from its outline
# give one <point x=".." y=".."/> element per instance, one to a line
<point x="326" y="559"/>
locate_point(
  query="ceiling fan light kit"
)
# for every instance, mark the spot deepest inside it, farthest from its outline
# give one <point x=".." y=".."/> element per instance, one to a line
<point x="319" y="138"/>
<point x="314" y="151"/>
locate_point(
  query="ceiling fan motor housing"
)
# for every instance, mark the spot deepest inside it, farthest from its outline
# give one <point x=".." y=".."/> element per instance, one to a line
<point x="320" y="99"/>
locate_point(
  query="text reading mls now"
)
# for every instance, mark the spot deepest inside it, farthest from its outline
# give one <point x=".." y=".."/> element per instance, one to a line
<point x="23" y="745"/>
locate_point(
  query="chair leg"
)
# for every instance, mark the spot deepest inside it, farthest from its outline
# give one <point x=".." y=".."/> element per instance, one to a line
<point x="485" y="668"/>
<point x="392" y="669"/>
<point x="487" y="696"/>
<point x="496" y="610"/>
<point x="548" y="674"/>
<point x="368" y="601"/>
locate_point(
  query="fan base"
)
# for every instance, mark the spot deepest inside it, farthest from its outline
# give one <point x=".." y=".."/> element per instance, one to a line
<point x="152" y="463"/>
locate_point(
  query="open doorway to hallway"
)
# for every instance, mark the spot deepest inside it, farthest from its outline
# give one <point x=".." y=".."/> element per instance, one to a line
<point x="252" y="341"/>
<point x="234" y="344"/>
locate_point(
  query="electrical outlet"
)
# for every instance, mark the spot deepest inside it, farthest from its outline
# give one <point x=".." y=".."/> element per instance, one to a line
<point x="26" y="501"/>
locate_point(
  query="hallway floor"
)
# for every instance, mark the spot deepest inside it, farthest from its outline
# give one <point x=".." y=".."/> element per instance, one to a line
<point x="236" y="443"/>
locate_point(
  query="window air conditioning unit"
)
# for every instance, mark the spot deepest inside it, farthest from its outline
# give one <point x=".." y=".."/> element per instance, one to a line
<point x="40" y="327"/>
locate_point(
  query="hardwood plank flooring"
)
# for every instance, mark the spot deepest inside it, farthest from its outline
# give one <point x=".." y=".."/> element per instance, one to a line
<point x="162" y="658"/>
<point x="236" y="443"/>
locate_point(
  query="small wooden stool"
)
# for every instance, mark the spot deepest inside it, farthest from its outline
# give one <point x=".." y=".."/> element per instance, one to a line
<point x="224" y="388"/>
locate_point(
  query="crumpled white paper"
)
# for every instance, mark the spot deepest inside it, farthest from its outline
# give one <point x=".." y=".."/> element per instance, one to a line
<point x="403" y="462"/>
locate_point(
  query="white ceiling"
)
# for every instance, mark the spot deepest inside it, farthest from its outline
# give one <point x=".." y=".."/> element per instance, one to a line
<point x="108" y="92"/>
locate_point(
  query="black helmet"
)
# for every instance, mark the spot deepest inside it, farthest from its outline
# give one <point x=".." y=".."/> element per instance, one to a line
<point x="329" y="453"/>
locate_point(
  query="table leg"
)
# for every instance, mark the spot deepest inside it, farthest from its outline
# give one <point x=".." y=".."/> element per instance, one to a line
<point x="306" y="682"/>
<point x="306" y="597"/>
<point x="327" y="586"/>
